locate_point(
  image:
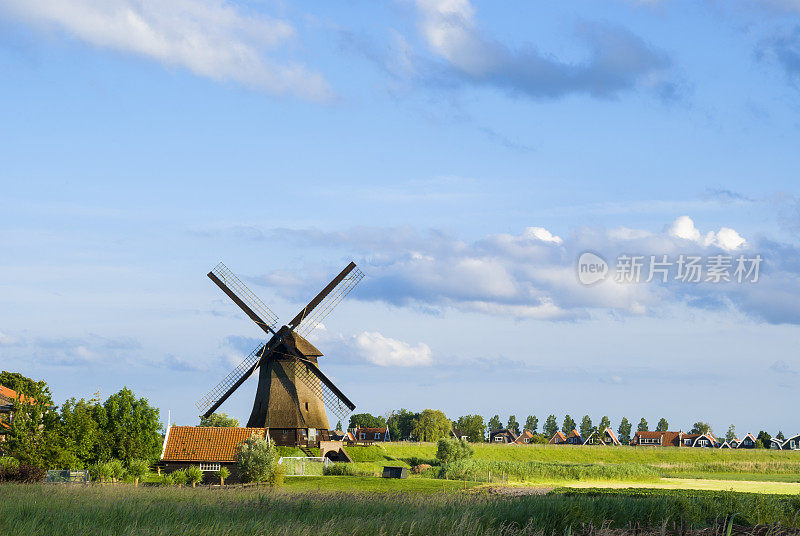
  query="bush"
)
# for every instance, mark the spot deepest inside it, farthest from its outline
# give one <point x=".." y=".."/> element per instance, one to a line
<point x="277" y="476"/>
<point x="167" y="480"/>
<point x="194" y="475"/>
<point x="256" y="460"/>
<point x="7" y="463"/>
<point x="453" y="450"/>
<point x="138" y="469"/>
<point x="14" y="471"/>
<point x="339" y="469"/>
<point x="179" y="477"/>
<point x="222" y="474"/>
<point x="117" y="469"/>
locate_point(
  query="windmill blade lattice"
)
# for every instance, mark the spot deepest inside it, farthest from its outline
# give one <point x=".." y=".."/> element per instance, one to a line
<point x="246" y="295"/>
<point x="324" y="308"/>
<point x="245" y="368"/>
<point x="332" y="401"/>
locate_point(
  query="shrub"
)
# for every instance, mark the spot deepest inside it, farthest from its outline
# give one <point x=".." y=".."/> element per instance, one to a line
<point x="222" y="474"/>
<point x="339" y="469"/>
<point x="11" y="470"/>
<point x="167" y="480"/>
<point x="452" y="450"/>
<point x="117" y="469"/>
<point x="277" y="476"/>
<point x="194" y="474"/>
<point x="179" y="477"/>
<point x="256" y="460"/>
<point x="138" y="469"/>
<point x="106" y="471"/>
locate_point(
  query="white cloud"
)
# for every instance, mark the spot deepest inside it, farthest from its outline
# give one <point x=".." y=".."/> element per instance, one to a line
<point x="211" y="38"/>
<point x="6" y="340"/>
<point x="726" y="238"/>
<point x="388" y="352"/>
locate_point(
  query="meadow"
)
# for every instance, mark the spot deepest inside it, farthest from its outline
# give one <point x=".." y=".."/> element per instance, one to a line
<point x="299" y="509"/>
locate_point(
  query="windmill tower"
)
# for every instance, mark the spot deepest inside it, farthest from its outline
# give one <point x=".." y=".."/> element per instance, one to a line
<point x="292" y="392"/>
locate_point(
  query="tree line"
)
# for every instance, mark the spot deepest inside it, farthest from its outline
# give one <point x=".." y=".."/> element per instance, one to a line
<point x="79" y="433"/>
<point x="430" y="425"/>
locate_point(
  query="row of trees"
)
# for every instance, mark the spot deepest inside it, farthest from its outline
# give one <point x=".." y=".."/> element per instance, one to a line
<point x="79" y="433"/>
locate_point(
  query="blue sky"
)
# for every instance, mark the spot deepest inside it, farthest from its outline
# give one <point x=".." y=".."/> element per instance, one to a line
<point x="463" y="154"/>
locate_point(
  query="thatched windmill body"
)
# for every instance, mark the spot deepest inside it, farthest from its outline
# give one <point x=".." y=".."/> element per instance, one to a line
<point x="292" y="393"/>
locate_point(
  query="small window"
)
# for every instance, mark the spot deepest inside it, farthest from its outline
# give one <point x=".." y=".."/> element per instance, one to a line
<point x="211" y="466"/>
<point x="363" y="435"/>
<point x="498" y="438"/>
<point x="306" y="406"/>
<point x="687" y="441"/>
<point x="377" y="435"/>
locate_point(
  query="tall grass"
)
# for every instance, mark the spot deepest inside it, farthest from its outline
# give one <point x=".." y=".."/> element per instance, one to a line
<point x="485" y="470"/>
<point x="128" y="511"/>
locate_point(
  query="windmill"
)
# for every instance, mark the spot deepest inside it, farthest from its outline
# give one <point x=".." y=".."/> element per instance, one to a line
<point x="292" y="392"/>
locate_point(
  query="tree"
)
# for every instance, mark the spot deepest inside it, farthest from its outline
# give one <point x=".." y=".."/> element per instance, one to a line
<point x="451" y="450"/>
<point x="82" y="426"/>
<point x="765" y="438"/>
<point x="472" y="426"/>
<point x="569" y="424"/>
<point x="132" y="427"/>
<point x="138" y="469"/>
<point x="222" y="474"/>
<point x="400" y="423"/>
<point x="495" y="423"/>
<point x="700" y="428"/>
<point x="550" y="426"/>
<point x="219" y="420"/>
<point x="513" y="425"/>
<point x="431" y="425"/>
<point x="731" y="435"/>
<point x="643" y="426"/>
<point x="624" y="431"/>
<point x="532" y="423"/>
<point x="662" y="425"/>
<point x="780" y="436"/>
<point x="194" y="475"/>
<point x="179" y="477"/>
<point x="339" y="425"/>
<point x="256" y="459"/>
<point x="365" y="420"/>
<point x="605" y="422"/>
<point x="586" y="426"/>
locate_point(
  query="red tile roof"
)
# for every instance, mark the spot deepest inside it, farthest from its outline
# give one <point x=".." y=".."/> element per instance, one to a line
<point x="614" y="439"/>
<point x="574" y="433"/>
<point x="11" y="395"/>
<point x="559" y="437"/>
<point x="205" y="444"/>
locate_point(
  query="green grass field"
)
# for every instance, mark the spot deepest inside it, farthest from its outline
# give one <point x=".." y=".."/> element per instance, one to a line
<point x="372" y="507"/>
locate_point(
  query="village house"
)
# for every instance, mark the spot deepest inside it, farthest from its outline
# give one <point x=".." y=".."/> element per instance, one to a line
<point x="674" y="439"/>
<point x="791" y="443"/>
<point x="558" y="439"/>
<point x="206" y="447"/>
<point x="7" y="399"/>
<point x="458" y="434"/>
<point x="502" y="436"/>
<point x="606" y="437"/>
<point x="525" y="438"/>
<point x="574" y="438"/>
<point x="372" y="435"/>
<point x="749" y="442"/>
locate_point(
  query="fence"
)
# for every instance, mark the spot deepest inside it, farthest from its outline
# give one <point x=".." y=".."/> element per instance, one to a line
<point x="67" y="477"/>
<point x="300" y="466"/>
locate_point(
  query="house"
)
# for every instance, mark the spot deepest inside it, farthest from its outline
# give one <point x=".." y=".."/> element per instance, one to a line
<point x="606" y="437"/>
<point x="525" y="438"/>
<point x="726" y="445"/>
<point x="502" y="436"/>
<point x="372" y="435"/>
<point x="775" y="443"/>
<point x="657" y="439"/>
<point x="699" y="440"/>
<point x="455" y="433"/>
<point x="558" y="439"/>
<point x="791" y="443"/>
<point x="574" y="438"/>
<point x="206" y="447"/>
<point x="749" y="442"/>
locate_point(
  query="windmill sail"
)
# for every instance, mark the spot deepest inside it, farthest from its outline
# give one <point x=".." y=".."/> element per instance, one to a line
<point x="216" y="396"/>
<point x="334" y="399"/>
<point x="322" y="305"/>
<point x="244" y="298"/>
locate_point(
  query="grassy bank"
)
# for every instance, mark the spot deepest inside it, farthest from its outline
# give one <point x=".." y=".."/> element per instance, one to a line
<point x="298" y="510"/>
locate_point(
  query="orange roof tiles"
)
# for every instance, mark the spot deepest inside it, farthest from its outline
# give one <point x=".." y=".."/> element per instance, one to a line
<point x="206" y="444"/>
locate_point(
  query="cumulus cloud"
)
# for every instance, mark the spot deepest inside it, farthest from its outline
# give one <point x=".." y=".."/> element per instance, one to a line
<point x="726" y="238"/>
<point x="387" y="352"/>
<point x="617" y="59"/>
<point x="211" y="38"/>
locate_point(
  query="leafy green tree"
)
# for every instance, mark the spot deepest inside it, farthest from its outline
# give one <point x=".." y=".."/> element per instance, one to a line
<point x="643" y="426"/>
<point x="194" y="475"/>
<point x="780" y="436"/>
<point x="400" y="423"/>
<point x="81" y="427"/>
<point x="765" y="438"/>
<point x="222" y="474"/>
<point x="662" y="425"/>
<point x="495" y="423"/>
<point x="366" y="420"/>
<point x="731" y="435"/>
<point x="550" y="426"/>
<point x="605" y="422"/>
<point x="473" y="426"/>
<point x="132" y="427"/>
<point x="179" y="477"/>
<point x="431" y="425"/>
<point x="586" y="426"/>
<point x="339" y="425"/>
<point x="27" y="387"/>
<point x="256" y="459"/>
<point x="138" y="469"/>
<point x="624" y="431"/>
<point x="451" y="450"/>
<point x="532" y="423"/>
<point x="701" y="428"/>
<point x="568" y="425"/>
<point x="513" y="425"/>
<point x="219" y="420"/>
<point x="117" y="470"/>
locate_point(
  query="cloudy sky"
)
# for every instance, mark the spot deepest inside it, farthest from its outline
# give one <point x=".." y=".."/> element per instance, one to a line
<point x="463" y="154"/>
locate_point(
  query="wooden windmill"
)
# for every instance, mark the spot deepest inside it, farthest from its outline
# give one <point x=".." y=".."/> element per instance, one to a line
<point x="292" y="392"/>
